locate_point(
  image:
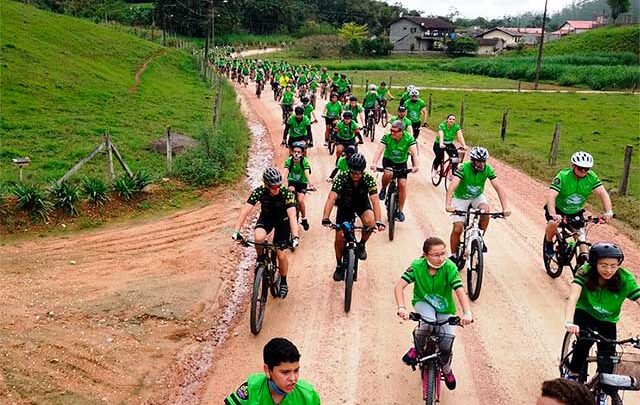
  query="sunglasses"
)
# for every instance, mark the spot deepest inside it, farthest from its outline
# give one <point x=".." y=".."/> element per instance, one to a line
<point x="274" y="187"/>
<point x="355" y="173"/>
<point x="396" y="130"/>
<point x="582" y="169"/>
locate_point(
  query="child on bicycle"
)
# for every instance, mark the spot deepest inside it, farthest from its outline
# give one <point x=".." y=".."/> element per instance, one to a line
<point x="599" y="288"/>
<point x="435" y="278"/>
<point x="298" y="173"/>
<point x="341" y="164"/>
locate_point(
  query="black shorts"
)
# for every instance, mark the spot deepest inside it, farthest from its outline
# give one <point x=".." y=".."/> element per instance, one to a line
<point x="291" y="140"/>
<point x="299" y="187"/>
<point x="348" y="214"/>
<point x="388" y="163"/>
<point x="416" y="129"/>
<point x="329" y="121"/>
<point x="575" y="220"/>
<point x="282" y="231"/>
<point x="346" y="142"/>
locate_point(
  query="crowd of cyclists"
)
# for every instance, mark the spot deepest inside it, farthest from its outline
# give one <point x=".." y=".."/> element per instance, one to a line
<point x="600" y="285"/>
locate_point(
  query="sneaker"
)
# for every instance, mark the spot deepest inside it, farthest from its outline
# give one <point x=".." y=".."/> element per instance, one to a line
<point x="284" y="290"/>
<point x="400" y="216"/>
<point x="382" y="194"/>
<point x="548" y="249"/>
<point x="361" y="252"/>
<point x="326" y="143"/>
<point x="409" y="357"/>
<point x="305" y="224"/>
<point x="450" y="381"/>
<point x="338" y="275"/>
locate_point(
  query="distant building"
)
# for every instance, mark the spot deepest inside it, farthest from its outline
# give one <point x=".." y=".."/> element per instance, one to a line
<point x="419" y="34"/>
<point x="490" y="46"/>
<point x="513" y="36"/>
<point x="577" y="26"/>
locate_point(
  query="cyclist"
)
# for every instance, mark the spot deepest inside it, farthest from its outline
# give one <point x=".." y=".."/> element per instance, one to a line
<point x="396" y="145"/>
<point x="565" y="392"/>
<point x="334" y="82"/>
<point x="402" y="116"/>
<point x="404" y="97"/>
<point x="332" y="111"/>
<point x="435" y="278"/>
<point x="343" y="85"/>
<point x="259" y="77"/>
<point x="355" y="193"/>
<point x="298" y="173"/>
<point x="287" y="100"/>
<point x="447" y="131"/>
<point x="298" y="128"/>
<point x="416" y="111"/>
<point x="355" y="108"/>
<point x="467" y="189"/>
<point x="324" y="81"/>
<point x="280" y="383"/>
<point x="347" y="132"/>
<point x="341" y="164"/>
<point x="308" y="110"/>
<point x="370" y="102"/>
<point x="278" y="214"/>
<point x="384" y="92"/>
<point x="598" y="291"/>
<point x="568" y="194"/>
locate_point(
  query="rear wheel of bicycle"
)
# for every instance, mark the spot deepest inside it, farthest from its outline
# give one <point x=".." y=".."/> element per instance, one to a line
<point x="436" y="177"/>
<point x="349" y="270"/>
<point x="384" y="118"/>
<point x="429" y="383"/>
<point x="554" y="265"/>
<point x="446" y="171"/>
<point x="474" y="272"/>
<point x="392" y="208"/>
<point x="332" y="146"/>
<point x="258" y="299"/>
<point x="372" y="130"/>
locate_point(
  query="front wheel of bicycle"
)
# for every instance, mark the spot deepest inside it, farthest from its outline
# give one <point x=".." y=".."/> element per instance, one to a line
<point x="372" y="130"/>
<point x="553" y="265"/>
<point x="384" y="118"/>
<point x="436" y="174"/>
<point x="429" y="384"/>
<point x="349" y="270"/>
<point x="258" y="299"/>
<point x="332" y="146"/>
<point x="392" y="208"/>
<point x="474" y="272"/>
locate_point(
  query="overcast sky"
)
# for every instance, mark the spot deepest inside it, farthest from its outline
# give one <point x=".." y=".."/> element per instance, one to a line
<point x="481" y="8"/>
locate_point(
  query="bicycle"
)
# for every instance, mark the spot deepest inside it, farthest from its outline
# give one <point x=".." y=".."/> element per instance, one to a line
<point x="333" y="134"/>
<point x="472" y="239"/>
<point x="370" y="127"/>
<point x="392" y="199"/>
<point x="571" y="234"/>
<point x="429" y="357"/>
<point x="382" y="116"/>
<point x="626" y="372"/>
<point x="266" y="278"/>
<point x="446" y="169"/>
<point x="286" y="112"/>
<point x="323" y="90"/>
<point x="349" y="257"/>
<point x="258" y="89"/>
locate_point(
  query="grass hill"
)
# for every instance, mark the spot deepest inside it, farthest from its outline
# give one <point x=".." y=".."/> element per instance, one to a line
<point x="65" y="81"/>
<point x="601" y="40"/>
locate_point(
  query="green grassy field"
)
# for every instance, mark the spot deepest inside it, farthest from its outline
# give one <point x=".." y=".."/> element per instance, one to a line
<point x="65" y="81"/>
<point x="605" y="39"/>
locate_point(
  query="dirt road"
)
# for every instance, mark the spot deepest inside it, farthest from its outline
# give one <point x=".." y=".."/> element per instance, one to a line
<point x="354" y="358"/>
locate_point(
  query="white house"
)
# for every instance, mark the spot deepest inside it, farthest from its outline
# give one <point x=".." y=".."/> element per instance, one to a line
<point x="512" y="36"/>
<point x="490" y="46"/>
<point x="420" y="34"/>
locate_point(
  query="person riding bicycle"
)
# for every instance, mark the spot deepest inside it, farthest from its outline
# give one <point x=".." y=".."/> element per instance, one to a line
<point x="564" y="392"/>
<point x="356" y="109"/>
<point x="279" y="384"/>
<point x="435" y="278"/>
<point x="402" y="116"/>
<point x="298" y="173"/>
<point x="384" y="93"/>
<point x="447" y="131"/>
<point x="568" y="194"/>
<point x="404" y="97"/>
<point x="287" y="100"/>
<point x="467" y="190"/>
<point x="341" y="164"/>
<point x="278" y="214"/>
<point x="396" y="145"/>
<point x="308" y="109"/>
<point x="298" y="128"/>
<point x="334" y="82"/>
<point x="598" y="291"/>
<point x="332" y="112"/>
<point x="347" y="132"/>
<point x="370" y="102"/>
<point x="343" y="85"/>
<point x="355" y="193"/>
<point x="416" y="111"/>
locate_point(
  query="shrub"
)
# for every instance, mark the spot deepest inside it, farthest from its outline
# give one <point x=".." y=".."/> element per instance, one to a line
<point x="141" y="179"/>
<point x="461" y="46"/>
<point x="313" y="28"/>
<point x="319" y="46"/>
<point x="195" y="168"/>
<point x="33" y="200"/>
<point x="95" y="190"/>
<point x="64" y="196"/>
<point x="125" y="186"/>
<point x="377" y="47"/>
<point x="4" y="209"/>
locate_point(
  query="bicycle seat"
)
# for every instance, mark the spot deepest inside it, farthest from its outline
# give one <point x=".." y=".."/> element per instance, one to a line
<point x="619" y="381"/>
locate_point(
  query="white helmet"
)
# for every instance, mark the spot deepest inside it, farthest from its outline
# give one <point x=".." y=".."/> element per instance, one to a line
<point x="372" y="87"/>
<point x="582" y="159"/>
<point x="414" y="93"/>
<point x="479" y="153"/>
<point x="411" y="88"/>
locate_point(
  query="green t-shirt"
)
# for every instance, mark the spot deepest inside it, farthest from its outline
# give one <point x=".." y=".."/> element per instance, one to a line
<point x="437" y="290"/>
<point x="414" y="108"/>
<point x="298" y="129"/>
<point x="397" y="151"/>
<point x="406" y="121"/>
<point x="573" y="192"/>
<point x="602" y="303"/>
<point x="382" y="91"/>
<point x="255" y="391"/>
<point x="324" y="77"/>
<point x="334" y="109"/>
<point x="297" y="170"/>
<point x="307" y="111"/>
<point x="342" y="165"/>
<point x="449" y="133"/>
<point x="354" y="110"/>
<point x="404" y="97"/>
<point x="313" y="86"/>
<point x="287" y="98"/>
<point x="370" y="100"/>
<point x="259" y="76"/>
<point x="342" y="85"/>
<point x="472" y="183"/>
<point x="346" y="131"/>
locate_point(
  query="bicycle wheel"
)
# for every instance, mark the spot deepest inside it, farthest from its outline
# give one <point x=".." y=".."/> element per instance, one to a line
<point x="429" y="391"/>
<point x="437" y="177"/>
<point x="349" y="269"/>
<point x="372" y="130"/>
<point x="258" y="299"/>
<point x="275" y="278"/>
<point x="332" y="146"/>
<point x="446" y="170"/>
<point x="392" y="208"/>
<point x="384" y="118"/>
<point x="474" y="272"/>
<point x="554" y="265"/>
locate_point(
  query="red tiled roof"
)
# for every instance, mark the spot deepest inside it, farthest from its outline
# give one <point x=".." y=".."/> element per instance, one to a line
<point x="580" y="25"/>
<point x="535" y="31"/>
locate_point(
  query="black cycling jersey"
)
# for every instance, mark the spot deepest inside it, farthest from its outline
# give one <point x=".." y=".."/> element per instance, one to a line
<point x="273" y="206"/>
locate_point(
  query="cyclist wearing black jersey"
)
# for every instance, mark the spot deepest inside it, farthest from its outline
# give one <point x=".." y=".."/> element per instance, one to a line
<point x="278" y="214"/>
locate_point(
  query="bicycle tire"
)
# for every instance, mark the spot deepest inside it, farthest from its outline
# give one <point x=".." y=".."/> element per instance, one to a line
<point x="429" y="390"/>
<point x="258" y="300"/>
<point x="372" y="130"/>
<point x="474" y="272"/>
<point x="392" y="207"/>
<point x="349" y="270"/>
<point x="437" y="178"/>
<point x="384" y="119"/>
<point x="553" y="265"/>
<point x="275" y="279"/>
<point x="331" y="146"/>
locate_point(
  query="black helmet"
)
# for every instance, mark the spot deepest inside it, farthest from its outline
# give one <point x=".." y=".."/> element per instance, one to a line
<point x="353" y="98"/>
<point x="357" y="162"/>
<point x="299" y="110"/>
<point x="305" y="99"/>
<point x="334" y="94"/>
<point x="272" y="176"/>
<point x="402" y="109"/>
<point x="349" y="151"/>
<point x="347" y="114"/>
<point x="603" y="250"/>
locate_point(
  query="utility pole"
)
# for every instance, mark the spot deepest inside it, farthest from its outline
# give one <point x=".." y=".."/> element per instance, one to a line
<point x="539" y="61"/>
<point x="206" y="38"/>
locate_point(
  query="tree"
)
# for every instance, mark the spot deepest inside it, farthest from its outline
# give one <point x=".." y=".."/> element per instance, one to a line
<point x="351" y="31"/>
<point x="618" y="7"/>
<point x="462" y="45"/>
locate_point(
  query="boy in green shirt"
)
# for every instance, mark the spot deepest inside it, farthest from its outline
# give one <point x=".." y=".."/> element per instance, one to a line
<point x="298" y="173"/>
<point x="287" y="102"/>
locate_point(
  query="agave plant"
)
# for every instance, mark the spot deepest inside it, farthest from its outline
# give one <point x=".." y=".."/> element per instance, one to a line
<point x="33" y="200"/>
<point x="95" y="190"/>
<point x="65" y="196"/>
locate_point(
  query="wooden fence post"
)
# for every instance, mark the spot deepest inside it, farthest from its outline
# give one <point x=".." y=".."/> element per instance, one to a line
<point x="366" y="87"/>
<point x="503" y="131"/>
<point x="555" y="145"/>
<point x="462" y="113"/>
<point x="169" y="151"/>
<point x="218" y="101"/>
<point x="624" y="180"/>
<point x="429" y="105"/>
<point x="519" y="85"/>
<point x="390" y="79"/>
<point x="107" y="143"/>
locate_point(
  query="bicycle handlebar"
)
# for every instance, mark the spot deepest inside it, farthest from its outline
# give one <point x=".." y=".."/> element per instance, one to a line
<point x="595" y="336"/>
<point x="398" y="171"/>
<point x="339" y="227"/>
<point x="479" y="212"/>
<point x="279" y="246"/>
<point x="452" y="320"/>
